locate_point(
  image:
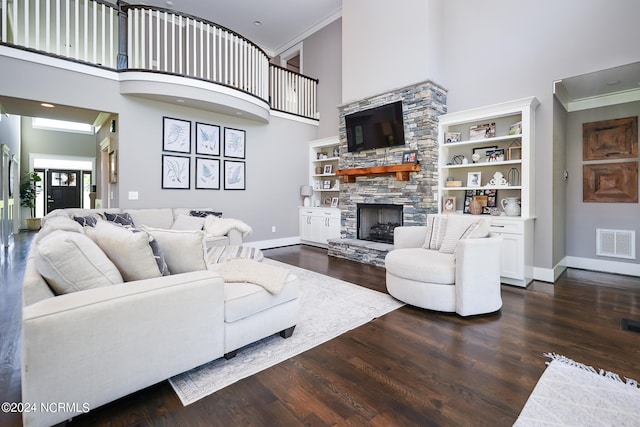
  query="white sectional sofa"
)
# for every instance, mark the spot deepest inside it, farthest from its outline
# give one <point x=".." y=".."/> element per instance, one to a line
<point x="85" y="343"/>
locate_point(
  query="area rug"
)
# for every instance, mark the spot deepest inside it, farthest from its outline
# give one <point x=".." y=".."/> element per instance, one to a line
<point x="573" y="394"/>
<point x="329" y="308"/>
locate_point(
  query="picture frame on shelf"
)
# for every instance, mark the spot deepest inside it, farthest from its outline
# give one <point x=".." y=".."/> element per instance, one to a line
<point x="483" y="152"/>
<point x="516" y="128"/>
<point x="326" y="185"/>
<point x="317" y="185"/>
<point x="474" y="179"/>
<point x="176" y="135"/>
<point x="234" y="175"/>
<point x="486" y="130"/>
<point x="234" y="143"/>
<point x="326" y="200"/>
<point x="328" y="169"/>
<point x="207" y="139"/>
<point x="334" y="202"/>
<point x="410" y="156"/>
<point x="450" y="137"/>
<point x="448" y="204"/>
<point x="176" y="172"/>
<point x="496" y="155"/>
<point x="514" y="152"/>
<point x="487" y="198"/>
<point x="207" y="173"/>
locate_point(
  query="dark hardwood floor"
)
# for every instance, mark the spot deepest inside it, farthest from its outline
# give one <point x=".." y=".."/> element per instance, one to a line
<point x="409" y="367"/>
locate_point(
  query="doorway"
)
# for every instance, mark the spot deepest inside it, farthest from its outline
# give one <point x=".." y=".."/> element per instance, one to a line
<point x="63" y="189"/>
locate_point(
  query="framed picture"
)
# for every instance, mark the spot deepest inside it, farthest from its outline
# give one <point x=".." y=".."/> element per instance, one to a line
<point x="516" y="128"/>
<point x="473" y="179"/>
<point x="484" y="152"/>
<point x="487" y="199"/>
<point x="610" y="139"/>
<point x="495" y="155"/>
<point x="450" y="137"/>
<point x="234" y="175"/>
<point x="176" y="135"/>
<point x="487" y="130"/>
<point x="207" y="139"/>
<point x="410" y="157"/>
<point x="334" y="202"/>
<point x="448" y="204"/>
<point x="327" y="169"/>
<point x="610" y="182"/>
<point x="207" y="173"/>
<point x="317" y="185"/>
<point x="176" y="172"/>
<point x="113" y="167"/>
<point x="326" y="185"/>
<point x="234" y="143"/>
<point x="326" y="200"/>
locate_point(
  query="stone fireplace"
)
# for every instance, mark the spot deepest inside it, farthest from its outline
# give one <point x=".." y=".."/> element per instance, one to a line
<point x="376" y="221"/>
<point x="416" y="196"/>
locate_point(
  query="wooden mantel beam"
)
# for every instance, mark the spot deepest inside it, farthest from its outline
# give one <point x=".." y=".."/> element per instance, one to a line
<point x="401" y="171"/>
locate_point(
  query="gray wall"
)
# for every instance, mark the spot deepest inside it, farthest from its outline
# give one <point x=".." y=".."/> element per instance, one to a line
<point x="584" y="218"/>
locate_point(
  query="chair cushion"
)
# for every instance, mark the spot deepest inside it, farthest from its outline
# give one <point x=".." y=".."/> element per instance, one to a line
<point x="183" y="250"/>
<point x="71" y="261"/>
<point x="422" y="265"/>
<point x="246" y="299"/>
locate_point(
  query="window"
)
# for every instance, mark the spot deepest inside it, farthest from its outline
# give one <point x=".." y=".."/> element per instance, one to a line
<point x="61" y="125"/>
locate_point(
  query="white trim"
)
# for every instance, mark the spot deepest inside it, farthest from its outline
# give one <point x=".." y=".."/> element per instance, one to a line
<point x="549" y="274"/>
<point x="293" y="117"/>
<point x="604" y="100"/>
<point x="615" y="267"/>
<point x="274" y="243"/>
<point x="291" y="53"/>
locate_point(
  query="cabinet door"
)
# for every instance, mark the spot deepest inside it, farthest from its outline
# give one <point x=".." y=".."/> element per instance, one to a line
<point x="512" y="255"/>
<point x="305" y="226"/>
<point x="317" y="229"/>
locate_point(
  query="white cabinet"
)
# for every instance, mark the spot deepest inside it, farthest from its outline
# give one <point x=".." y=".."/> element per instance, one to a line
<point x="318" y="225"/>
<point x="488" y="153"/>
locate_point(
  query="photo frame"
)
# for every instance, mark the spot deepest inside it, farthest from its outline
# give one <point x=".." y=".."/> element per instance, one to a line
<point x="484" y="152"/>
<point x="328" y="169"/>
<point x="234" y="175"/>
<point x="207" y="139"/>
<point x="207" y="173"/>
<point x="450" y="137"/>
<point x="176" y="135"/>
<point x="176" y="172"/>
<point x="113" y="167"/>
<point x="448" y="204"/>
<point x="326" y="185"/>
<point x="410" y="156"/>
<point x="334" y="202"/>
<point x="474" y="179"/>
<point x="487" y="198"/>
<point x="234" y="143"/>
<point x="486" y="130"/>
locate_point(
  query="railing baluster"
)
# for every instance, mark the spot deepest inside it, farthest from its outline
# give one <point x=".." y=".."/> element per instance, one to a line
<point x="26" y="23"/>
<point x="37" y="25"/>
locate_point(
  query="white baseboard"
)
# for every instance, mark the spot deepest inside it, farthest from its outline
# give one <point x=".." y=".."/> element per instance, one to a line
<point x="274" y="243"/>
<point x="616" y="267"/>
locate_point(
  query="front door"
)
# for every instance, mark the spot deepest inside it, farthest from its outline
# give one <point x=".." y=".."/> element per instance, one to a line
<point x="64" y="189"/>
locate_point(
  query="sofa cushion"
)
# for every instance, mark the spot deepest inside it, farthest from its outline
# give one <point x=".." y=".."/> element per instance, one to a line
<point x="71" y="262"/>
<point x="119" y="218"/>
<point x="130" y="250"/>
<point x="422" y="265"/>
<point x="242" y="300"/>
<point x="188" y="222"/>
<point x="63" y="223"/>
<point x="436" y="226"/>
<point x="183" y="250"/>
<point x="156" y="218"/>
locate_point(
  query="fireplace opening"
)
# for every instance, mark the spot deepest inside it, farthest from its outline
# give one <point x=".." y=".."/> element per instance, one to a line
<point x="376" y="221"/>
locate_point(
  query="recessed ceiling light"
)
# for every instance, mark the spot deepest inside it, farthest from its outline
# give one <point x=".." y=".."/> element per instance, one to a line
<point x="257" y="23"/>
<point x="613" y="82"/>
<point x="169" y="3"/>
<point x="46" y="104"/>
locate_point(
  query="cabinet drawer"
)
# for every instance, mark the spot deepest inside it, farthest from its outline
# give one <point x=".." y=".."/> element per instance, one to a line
<point x="331" y="214"/>
<point x="503" y="226"/>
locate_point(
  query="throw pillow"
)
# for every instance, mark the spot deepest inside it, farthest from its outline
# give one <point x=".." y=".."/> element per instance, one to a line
<point x="458" y="227"/>
<point x="187" y="222"/>
<point x="204" y="214"/>
<point x="130" y="250"/>
<point x="183" y="250"/>
<point x="71" y="262"/>
<point x="86" y="221"/>
<point x="119" y="218"/>
<point x="436" y="226"/>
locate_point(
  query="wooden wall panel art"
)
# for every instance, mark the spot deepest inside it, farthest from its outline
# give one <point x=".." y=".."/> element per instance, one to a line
<point x="610" y="182"/>
<point x="610" y="139"/>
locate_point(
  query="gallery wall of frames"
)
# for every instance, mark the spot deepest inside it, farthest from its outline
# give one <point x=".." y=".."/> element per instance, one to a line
<point x="211" y="156"/>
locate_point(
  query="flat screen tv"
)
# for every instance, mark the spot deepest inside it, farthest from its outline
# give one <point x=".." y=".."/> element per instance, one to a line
<point x="378" y="127"/>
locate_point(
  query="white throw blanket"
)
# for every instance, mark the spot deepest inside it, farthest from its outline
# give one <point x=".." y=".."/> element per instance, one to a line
<point x="220" y="226"/>
<point x="270" y="277"/>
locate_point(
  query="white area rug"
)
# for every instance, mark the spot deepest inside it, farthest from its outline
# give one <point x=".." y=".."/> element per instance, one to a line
<point x="329" y="307"/>
<point x="572" y="394"/>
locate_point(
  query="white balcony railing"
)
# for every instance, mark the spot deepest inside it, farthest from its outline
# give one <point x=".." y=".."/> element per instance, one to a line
<point x="137" y="37"/>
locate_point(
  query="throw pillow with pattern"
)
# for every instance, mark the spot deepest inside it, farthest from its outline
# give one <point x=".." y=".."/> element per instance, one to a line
<point x="204" y="214"/>
<point x="119" y="218"/>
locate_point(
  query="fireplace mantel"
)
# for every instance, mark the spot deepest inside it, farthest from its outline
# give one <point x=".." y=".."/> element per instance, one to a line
<point x="401" y="171"/>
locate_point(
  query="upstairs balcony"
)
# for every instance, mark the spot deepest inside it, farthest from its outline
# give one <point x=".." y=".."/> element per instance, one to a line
<point x="151" y="47"/>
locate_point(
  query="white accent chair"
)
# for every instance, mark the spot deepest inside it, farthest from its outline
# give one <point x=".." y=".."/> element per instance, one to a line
<point x="466" y="281"/>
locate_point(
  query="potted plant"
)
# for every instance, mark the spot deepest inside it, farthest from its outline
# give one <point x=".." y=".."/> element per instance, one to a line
<point x="28" y="193"/>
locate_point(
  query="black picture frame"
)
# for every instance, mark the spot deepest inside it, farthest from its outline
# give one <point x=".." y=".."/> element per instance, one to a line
<point x="235" y="175"/>
<point x="176" y="172"/>
<point x="491" y="195"/>
<point x="235" y="141"/>
<point x="176" y="135"/>
<point x="207" y="173"/>
<point x="410" y="157"/>
<point x="207" y="139"/>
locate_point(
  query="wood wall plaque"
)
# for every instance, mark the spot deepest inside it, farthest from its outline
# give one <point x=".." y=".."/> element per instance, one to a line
<point x="610" y="182"/>
<point x="610" y="139"/>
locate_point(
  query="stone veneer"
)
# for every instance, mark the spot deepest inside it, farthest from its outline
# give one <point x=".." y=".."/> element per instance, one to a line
<point x="422" y="104"/>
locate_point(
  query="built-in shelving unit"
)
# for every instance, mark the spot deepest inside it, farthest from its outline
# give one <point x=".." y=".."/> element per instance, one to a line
<point x="501" y="136"/>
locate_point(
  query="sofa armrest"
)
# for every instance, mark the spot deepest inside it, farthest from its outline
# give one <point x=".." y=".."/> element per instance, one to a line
<point x="95" y="346"/>
<point x="478" y="275"/>
<point x="235" y="237"/>
<point x="409" y="236"/>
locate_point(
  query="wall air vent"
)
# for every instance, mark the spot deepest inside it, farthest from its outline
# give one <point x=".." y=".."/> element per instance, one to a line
<point x="616" y="243"/>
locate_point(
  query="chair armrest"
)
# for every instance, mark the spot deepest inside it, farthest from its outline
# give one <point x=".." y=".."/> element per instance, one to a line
<point x="478" y="275"/>
<point x="409" y="236"/>
<point x="92" y="347"/>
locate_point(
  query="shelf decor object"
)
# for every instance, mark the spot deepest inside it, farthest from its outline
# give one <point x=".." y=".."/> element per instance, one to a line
<point x="306" y="191"/>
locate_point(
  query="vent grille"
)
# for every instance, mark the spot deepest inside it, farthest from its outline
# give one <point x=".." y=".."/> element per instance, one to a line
<point x="616" y="243"/>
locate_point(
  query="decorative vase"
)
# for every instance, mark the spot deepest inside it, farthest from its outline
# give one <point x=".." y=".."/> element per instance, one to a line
<point x="511" y="206"/>
<point x="475" y="208"/>
<point x="318" y="170"/>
